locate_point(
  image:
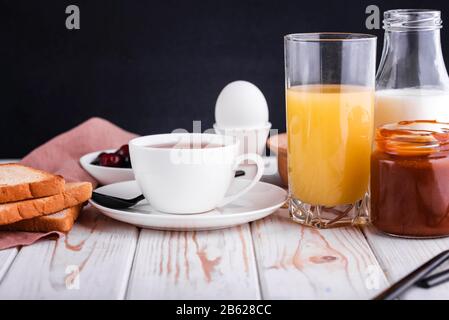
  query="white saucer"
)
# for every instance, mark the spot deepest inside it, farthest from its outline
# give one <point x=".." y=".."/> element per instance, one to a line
<point x="258" y="203"/>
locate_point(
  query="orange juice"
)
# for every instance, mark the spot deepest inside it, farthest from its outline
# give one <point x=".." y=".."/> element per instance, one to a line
<point x="329" y="142"/>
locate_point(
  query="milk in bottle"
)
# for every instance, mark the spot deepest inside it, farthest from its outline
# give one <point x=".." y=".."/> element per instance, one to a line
<point x="412" y="81"/>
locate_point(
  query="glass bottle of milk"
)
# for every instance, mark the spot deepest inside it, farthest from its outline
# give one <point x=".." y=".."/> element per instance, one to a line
<point x="412" y="81"/>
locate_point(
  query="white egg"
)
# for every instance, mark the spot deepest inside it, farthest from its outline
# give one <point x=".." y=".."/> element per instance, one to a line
<point x="241" y="105"/>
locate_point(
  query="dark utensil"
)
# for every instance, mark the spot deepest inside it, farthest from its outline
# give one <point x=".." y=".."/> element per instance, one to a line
<point x="239" y="173"/>
<point x="119" y="203"/>
<point x="434" y="280"/>
<point x="413" y="278"/>
<point x="115" y="202"/>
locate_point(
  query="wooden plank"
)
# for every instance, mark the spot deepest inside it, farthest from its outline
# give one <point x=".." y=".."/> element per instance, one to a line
<point x="9" y="161"/>
<point x="297" y="262"/>
<point x="216" y="264"/>
<point x="6" y="258"/>
<point x="398" y="257"/>
<point x="93" y="262"/>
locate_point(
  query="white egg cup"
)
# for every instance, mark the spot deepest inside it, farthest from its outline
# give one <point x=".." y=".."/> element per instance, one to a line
<point x="252" y="140"/>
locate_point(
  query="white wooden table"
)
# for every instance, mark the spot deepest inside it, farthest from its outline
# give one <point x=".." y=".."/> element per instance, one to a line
<point x="272" y="258"/>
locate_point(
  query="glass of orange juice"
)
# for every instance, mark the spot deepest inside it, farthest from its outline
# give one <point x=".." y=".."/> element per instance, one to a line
<point x="330" y="83"/>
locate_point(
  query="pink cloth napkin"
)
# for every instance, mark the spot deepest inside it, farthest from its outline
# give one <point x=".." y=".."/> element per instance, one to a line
<point x="61" y="156"/>
<point x="10" y="239"/>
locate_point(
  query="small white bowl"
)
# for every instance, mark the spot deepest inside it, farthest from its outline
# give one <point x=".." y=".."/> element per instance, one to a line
<point x="252" y="140"/>
<point x="105" y="175"/>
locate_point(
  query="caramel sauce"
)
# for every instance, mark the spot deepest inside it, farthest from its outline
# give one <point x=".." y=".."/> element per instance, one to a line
<point x="410" y="180"/>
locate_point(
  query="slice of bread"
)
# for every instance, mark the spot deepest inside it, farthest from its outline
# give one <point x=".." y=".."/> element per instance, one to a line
<point x="61" y="221"/>
<point x="74" y="194"/>
<point x="19" y="182"/>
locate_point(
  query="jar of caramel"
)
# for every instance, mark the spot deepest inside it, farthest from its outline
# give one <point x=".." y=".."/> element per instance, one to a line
<point x="410" y="179"/>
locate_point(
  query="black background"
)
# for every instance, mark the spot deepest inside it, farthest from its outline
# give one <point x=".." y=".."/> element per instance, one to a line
<point x="152" y="66"/>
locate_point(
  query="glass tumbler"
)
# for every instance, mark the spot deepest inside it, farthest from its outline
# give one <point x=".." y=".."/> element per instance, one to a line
<point x="330" y="84"/>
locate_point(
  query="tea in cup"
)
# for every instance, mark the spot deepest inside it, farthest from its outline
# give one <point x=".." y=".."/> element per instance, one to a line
<point x="187" y="173"/>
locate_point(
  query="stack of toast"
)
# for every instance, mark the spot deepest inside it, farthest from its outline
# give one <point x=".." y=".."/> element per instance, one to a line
<point x="37" y="201"/>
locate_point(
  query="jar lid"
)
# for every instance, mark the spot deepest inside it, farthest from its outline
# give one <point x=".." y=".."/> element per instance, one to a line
<point x="413" y="138"/>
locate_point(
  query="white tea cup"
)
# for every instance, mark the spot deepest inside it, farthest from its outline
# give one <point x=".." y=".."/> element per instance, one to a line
<point x="187" y="173"/>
